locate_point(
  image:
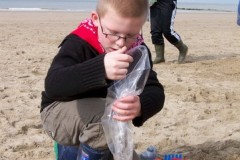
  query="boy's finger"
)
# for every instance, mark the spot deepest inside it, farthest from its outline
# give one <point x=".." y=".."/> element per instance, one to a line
<point x="122" y="50"/>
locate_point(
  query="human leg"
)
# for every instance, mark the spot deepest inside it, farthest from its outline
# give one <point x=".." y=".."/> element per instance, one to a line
<point x="183" y="49"/>
<point x="78" y="123"/>
<point x="169" y="12"/>
<point x="156" y="33"/>
<point x="159" y="49"/>
<point x="75" y="122"/>
<point x="65" y="122"/>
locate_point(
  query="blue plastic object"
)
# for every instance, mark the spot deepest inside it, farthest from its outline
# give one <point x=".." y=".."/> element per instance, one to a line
<point x="149" y="154"/>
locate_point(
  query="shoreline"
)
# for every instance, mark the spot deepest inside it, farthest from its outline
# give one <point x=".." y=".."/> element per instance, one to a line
<point x="182" y="10"/>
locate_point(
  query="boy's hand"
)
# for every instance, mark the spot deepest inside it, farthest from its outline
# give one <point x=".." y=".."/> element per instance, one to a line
<point x="117" y="63"/>
<point x="127" y="108"/>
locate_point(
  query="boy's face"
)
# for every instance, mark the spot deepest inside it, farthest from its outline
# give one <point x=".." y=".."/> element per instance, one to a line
<point x="115" y="32"/>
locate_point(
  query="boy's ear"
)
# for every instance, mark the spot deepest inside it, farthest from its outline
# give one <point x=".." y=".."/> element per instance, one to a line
<point x="94" y="17"/>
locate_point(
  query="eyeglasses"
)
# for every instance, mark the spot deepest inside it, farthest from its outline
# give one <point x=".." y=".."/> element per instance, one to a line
<point x="115" y="37"/>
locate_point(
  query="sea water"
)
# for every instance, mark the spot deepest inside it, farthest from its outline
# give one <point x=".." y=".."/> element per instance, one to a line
<point x="88" y="5"/>
<point x="45" y="5"/>
<point x="198" y="6"/>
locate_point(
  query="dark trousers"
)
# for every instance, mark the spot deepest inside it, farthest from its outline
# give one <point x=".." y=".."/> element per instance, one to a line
<point x="162" y="15"/>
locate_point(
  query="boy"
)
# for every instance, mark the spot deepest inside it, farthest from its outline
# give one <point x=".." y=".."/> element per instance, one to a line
<point x="90" y="58"/>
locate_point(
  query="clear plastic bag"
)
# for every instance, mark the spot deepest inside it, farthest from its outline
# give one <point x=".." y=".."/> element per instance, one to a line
<point x="119" y="134"/>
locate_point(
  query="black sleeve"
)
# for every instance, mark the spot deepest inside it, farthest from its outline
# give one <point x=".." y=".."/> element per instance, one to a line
<point x="152" y="98"/>
<point x="76" y="69"/>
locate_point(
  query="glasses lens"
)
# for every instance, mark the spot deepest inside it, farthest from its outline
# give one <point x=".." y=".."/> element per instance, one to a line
<point x="112" y="37"/>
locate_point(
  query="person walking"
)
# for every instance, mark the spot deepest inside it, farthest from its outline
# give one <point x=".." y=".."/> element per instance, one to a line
<point x="162" y="16"/>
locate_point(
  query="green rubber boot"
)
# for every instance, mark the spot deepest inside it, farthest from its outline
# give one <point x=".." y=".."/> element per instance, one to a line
<point x="159" y="54"/>
<point x="183" y="49"/>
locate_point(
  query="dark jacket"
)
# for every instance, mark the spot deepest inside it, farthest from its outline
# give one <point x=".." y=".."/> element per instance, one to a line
<point x="77" y="72"/>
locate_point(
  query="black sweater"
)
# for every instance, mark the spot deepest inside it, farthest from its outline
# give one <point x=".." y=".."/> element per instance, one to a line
<point x="77" y="72"/>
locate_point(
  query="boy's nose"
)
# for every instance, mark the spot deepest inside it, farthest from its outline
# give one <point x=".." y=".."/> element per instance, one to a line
<point x="121" y="42"/>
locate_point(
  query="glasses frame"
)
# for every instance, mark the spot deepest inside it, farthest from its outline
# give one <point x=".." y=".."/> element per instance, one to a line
<point x="117" y="37"/>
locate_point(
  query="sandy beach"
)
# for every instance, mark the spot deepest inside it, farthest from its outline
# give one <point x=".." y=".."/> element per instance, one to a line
<point x="200" y="118"/>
